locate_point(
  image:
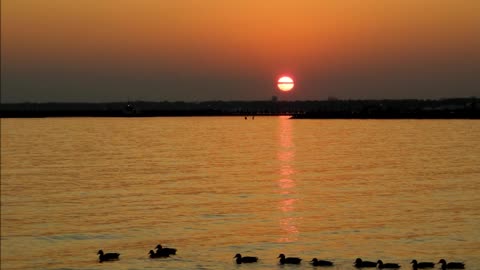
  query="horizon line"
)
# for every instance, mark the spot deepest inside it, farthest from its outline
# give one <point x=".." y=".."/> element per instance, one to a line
<point x="262" y="100"/>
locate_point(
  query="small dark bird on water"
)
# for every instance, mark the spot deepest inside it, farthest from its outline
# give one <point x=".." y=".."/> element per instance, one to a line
<point x="382" y="265"/>
<point x="420" y="265"/>
<point x="169" y="251"/>
<point x="359" y="263"/>
<point x="246" y="259"/>
<point x="154" y="255"/>
<point x="451" y="265"/>
<point x="316" y="262"/>
<point x="289" y="260"/>
<point x="103" y="257"/>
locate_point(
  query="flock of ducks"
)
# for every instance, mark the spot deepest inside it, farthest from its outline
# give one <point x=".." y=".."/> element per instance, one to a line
<point x="162" y="252"/>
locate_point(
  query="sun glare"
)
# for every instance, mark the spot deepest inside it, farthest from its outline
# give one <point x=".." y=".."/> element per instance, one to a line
<point x="285" y="83"/>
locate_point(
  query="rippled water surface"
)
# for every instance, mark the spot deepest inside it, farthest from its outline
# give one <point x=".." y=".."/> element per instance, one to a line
<point x="216" y="186"/>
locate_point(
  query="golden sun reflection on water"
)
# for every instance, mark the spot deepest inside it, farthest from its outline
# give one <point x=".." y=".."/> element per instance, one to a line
<point x="286" y="156"/>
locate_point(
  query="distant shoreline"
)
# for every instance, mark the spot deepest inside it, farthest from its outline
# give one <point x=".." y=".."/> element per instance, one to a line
<point x="441" y="115"/>
<point x="455" y="108"/>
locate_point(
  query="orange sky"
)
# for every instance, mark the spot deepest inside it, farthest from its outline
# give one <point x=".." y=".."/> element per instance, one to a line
<point x="242" y="44"/>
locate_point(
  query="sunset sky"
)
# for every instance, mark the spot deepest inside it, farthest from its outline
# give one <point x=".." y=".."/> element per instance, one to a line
<point x="118" y="50"/>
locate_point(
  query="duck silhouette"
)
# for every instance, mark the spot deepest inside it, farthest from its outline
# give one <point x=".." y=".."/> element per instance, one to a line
<point x="154" y="255"/>
<point x="359" y="263"/>
<point x="246" y="259"/>
<point x="289" y="260"/>
<point x="317" y="262"/>
<point x="419" y="265"/>
<point x="103" y="257"/>
<point x="451" y="265"/>
<point x="169" y="251"/>
<point x="382" y="265"/>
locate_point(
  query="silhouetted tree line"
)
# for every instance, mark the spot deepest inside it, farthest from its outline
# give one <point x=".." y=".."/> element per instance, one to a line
<point x="468" y="108"/>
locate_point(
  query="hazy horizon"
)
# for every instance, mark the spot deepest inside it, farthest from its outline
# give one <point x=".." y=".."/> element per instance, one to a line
<point x="195" y="51"/>
<point x="236" y="100"/>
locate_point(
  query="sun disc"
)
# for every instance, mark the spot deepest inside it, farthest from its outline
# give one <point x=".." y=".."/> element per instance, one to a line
<point x="285" y="83"/>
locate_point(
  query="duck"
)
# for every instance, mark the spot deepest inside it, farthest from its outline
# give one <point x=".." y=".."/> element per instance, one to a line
<point x="289" y="260"/>
<point x="416" y="265"/>
<point x="246" y="259"/>
<point x="107" y="256"/>
<point x="451" y="265"/>
<point x="169" y="251"/>
<point x="154" y="255"/>
<point x="316" y="262"/>
<point x="382" y="265"/>
<point x="359" y="263"/>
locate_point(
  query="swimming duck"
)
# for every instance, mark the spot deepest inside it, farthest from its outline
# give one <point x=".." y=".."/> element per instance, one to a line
<point x="416" y="265"/>
<point x="382" y="265"/>
<point x="169" y="251"/>
<point x="107" y="256"/>
<point x="289" y="260"/>
<point x="451" y="265"/>
<point x="316" y="262"/>
<point x="359" y="263"/>
<point x="154" y="255"/>
<point x="246" y="259"/>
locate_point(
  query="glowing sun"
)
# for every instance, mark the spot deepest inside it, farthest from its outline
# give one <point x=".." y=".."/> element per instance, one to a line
<point x="285" y="83"/>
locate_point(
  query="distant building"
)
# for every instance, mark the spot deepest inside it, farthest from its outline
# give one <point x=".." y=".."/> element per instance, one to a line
<point x="332" y="98"/>
<point x="274" y="98"/>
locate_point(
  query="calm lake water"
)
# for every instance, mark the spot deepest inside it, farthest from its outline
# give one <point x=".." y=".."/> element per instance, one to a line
<point x="212" y="187"/>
